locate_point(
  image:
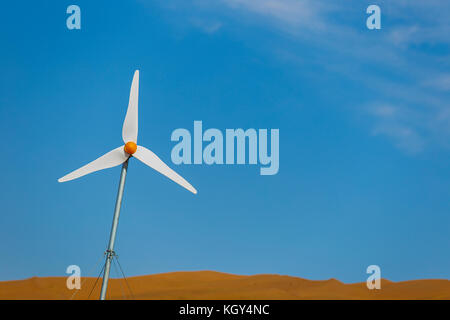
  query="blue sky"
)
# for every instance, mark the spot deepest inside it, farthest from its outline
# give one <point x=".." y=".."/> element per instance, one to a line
<point x="364" y="124"/>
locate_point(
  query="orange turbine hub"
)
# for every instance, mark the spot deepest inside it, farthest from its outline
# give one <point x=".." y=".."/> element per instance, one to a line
<point x="130" y="147"/>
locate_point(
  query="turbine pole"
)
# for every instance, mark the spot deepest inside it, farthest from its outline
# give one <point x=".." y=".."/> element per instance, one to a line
<point x="110" y="252"/>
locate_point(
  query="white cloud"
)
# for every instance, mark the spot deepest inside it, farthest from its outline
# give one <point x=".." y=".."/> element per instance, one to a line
<point x="403" y="137"/>
<point x="383" y="110"/>
<point x="208" y="26"/>
<point x="439" y="82"/>
<point x="403" y="47"/>
<point x="413" y="45"/>
<point x="293" y="13"/>
<point x="397" y="124"/>
<point x="403" y="35"/>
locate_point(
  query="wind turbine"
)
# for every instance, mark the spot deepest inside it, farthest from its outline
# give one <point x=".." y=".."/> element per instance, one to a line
<point x="121" y="155"/>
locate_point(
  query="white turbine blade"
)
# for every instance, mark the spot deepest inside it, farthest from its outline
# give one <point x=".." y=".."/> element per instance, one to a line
<point x="152" y="160"/>
<point x="130" y="125"/>
<point x="111" y="159"/>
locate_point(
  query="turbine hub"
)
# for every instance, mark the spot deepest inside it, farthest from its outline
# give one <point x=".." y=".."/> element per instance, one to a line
<point x="130" y="147"/>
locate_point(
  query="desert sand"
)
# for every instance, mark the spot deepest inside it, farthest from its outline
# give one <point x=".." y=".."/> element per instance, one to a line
<point x="216" y="285"/>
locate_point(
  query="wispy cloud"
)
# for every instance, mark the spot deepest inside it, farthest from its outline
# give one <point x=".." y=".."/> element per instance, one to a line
<point x="411" y="106"/>
<point x="287" y="14"/>
<point x="396" y="123"/>
<point x="439" y="82"/>
<point x="404" y="138"/>
<point x="207" y="26"/>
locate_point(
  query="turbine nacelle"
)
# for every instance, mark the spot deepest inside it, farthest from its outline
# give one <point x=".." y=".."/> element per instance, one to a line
<point x="130" y="147"/>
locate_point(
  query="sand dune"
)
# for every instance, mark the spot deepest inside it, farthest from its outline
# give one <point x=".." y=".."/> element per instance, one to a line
<point x="216" y="285"/>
